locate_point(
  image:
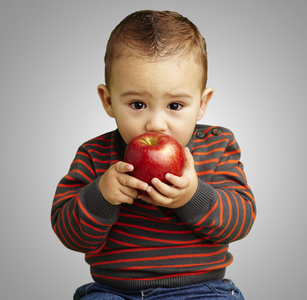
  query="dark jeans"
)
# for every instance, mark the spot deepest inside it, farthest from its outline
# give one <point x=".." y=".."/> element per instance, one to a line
<point x="215" y="289"/>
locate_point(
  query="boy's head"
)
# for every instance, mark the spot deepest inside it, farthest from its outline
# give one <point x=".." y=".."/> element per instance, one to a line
<point x="155" y="36"/>
<point x="156" y="72"/>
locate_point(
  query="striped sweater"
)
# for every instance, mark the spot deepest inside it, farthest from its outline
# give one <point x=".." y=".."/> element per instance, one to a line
<point x="143" y="246"/>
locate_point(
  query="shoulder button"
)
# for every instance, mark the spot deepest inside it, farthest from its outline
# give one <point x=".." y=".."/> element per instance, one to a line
<point x="200" y="134"/>
<point x="216" y="131"/>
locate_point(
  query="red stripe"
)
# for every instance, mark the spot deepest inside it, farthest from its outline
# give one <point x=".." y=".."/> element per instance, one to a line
<point x="241" y="171"/>
<point x="229" y="161"/>
<point x="229" y="214"/>
<point x="154" y="239"/>
<point x="84" y="154"/>
<point x="122" y="243"/>
<point x="101" y="170"/>
<point x="102" y="138"/>
<point x="64" y="198"/>
<point x="85" y="164"/>
<point x="202" y="271"/>
<point x="146" y="206"/>
<point x="100" y="153"/>
<point x="79" y="237"/>
<point x="231" y="152"/>
<point x="210" y="144"/>
<point x="71" y="185"/>
<point x="101" y="161"/>
<point x="62" y="235"/>
<point x="82" y="174"/>
<point x="236" y="223"/>
<point x="172" y="266"/>
<point x="62" y="194"/>
<point x="226" y="173"/>
<point x="206" y="161"/>
<point x="147" y="216"/>
<point x="74" y="214"/>
<point x="71" y="238"/>
<point x="155" y="258"/>
<point x="222" y="182"/>
<point x="155" y="230"/>
<point x="233" y="141"/>
<point x="221" y="215"/>
<point x="88" y="215"/>
<point x="93" y="227"/>
<point x="207" y="215"/>
<point x="205" y="172"/>
<point x="100" y="146"/>
<point x="123" y="251"/>
<point x="244" y="217"/>
<point x="209" y="152"/>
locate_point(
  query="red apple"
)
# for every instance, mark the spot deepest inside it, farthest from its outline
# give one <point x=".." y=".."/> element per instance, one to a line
<point x="155" y="155"/>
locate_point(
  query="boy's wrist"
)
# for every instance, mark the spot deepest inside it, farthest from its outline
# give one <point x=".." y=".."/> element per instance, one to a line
<point x="95" y="202"/>
<point x="200" y="202"/>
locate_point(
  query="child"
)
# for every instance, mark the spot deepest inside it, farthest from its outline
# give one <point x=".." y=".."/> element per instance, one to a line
<point x="172" y="241"/>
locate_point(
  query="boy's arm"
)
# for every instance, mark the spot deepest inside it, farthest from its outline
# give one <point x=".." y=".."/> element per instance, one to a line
<point x="223" y="209"/>
<point x="218" y="204"/>
<point x="80" y="216"/>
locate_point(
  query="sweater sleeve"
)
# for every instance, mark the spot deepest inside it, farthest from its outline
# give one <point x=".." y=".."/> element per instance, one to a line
<point x="80" y="216"/>
<point x="223" y="207"/>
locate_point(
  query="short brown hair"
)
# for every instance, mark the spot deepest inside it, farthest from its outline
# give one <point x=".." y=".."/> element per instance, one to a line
<point x="155" y="35"/>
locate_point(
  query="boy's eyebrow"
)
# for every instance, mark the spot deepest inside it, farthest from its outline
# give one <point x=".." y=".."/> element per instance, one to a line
<point x="169" y="95"/>
<point x="178" y="95"/>
<point x="134" y="93"/>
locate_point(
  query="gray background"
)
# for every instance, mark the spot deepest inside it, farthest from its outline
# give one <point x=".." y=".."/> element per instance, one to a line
<point x="51" y="63"/>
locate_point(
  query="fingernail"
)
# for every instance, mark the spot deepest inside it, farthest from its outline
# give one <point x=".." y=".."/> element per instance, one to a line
<point x="129" y="168"/>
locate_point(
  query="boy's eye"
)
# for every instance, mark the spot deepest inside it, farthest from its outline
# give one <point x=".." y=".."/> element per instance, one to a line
<point x="175" y="106"/>
<point x="138" y="105"/>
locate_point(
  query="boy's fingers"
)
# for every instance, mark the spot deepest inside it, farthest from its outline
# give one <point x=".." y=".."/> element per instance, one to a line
<point x="164" y="189"/>
<point x="145" y="198"/>
<point x="124" y="199"/>
<point x="132" y="182"/>
<point x="129" y="192"/>
<point x="122" y="167"/>
<point x="179" y="182"/>
<point x="158" y="198"/>
<point x="189" y="157"/>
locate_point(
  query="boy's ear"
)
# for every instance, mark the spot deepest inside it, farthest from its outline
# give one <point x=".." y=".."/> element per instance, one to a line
<point x="105" y="98"/>
<point x="205" y="98"/>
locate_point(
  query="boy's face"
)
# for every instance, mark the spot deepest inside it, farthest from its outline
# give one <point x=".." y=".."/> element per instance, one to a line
<point x="159" y="96"/>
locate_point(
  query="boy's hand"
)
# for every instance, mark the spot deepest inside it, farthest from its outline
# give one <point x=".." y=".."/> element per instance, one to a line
<point x="180" y="192"/>
<point x="117" y="187"/>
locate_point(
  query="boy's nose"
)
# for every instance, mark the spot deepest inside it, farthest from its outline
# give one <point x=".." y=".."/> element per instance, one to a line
<point x="156" y="123"/>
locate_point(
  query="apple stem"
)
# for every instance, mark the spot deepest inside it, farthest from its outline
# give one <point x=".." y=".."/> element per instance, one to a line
<point x="146" y="141"/>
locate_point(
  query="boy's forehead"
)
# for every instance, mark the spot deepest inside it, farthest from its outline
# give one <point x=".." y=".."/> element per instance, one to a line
<point x="152" y="62"/>
<point x="136" y="61"/>
<point x="135" y="74"/>
<point x="127" y="53"/>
